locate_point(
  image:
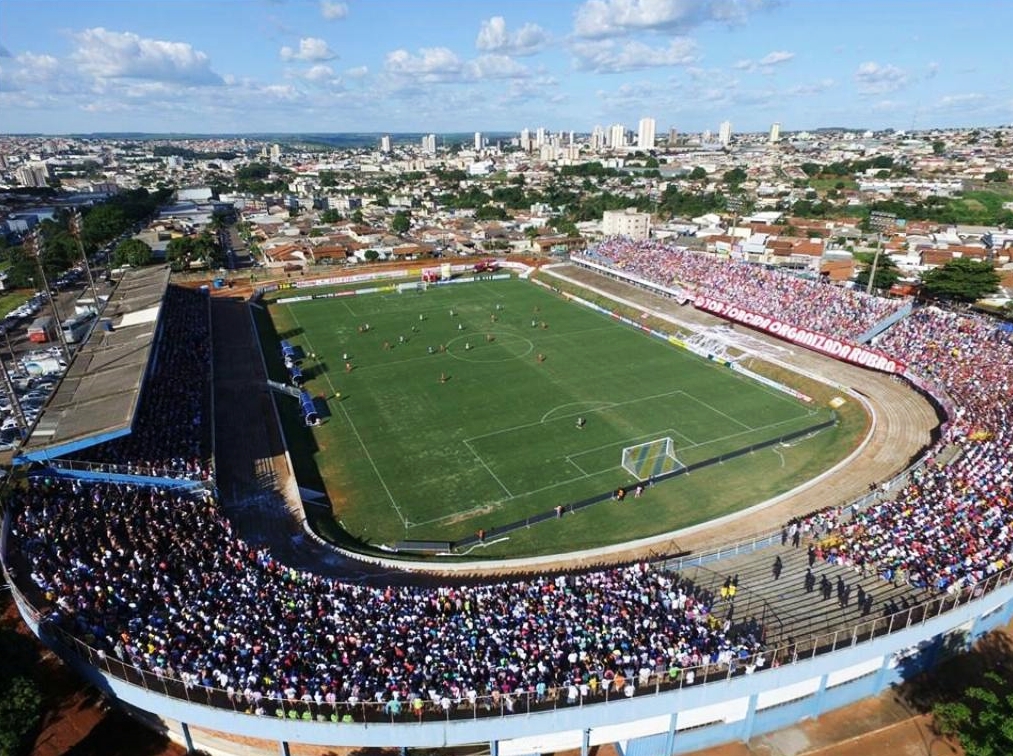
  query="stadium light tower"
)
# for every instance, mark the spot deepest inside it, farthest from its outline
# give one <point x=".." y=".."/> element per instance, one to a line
<point x="75" y="231"/>
<point x="881" y="222"/>
<point x="35" y="242"/>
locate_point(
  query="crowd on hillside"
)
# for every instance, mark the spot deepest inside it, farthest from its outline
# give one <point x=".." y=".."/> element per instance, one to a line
<point x="158" y="579"/>
<point x="816" y="305"/>
<point x="171" y="428"/>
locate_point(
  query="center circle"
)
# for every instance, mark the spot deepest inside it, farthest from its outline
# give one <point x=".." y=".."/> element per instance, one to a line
<point x="485" y="351"/>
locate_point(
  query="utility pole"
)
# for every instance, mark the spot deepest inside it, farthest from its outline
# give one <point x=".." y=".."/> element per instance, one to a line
<point x="881" y="222"/>
<point x="35" y="243"/>
<point x="75" y="231"/>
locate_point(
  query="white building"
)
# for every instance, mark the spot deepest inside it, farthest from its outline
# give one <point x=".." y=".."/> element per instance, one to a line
<point x="540" y="136"/>
<point x="617" y="136"/>
<point x="429" y="144"/>
<point x="775" y="133"/>
<point x="275" y="153"/>
<point x="598" y="138"/>
<point x="627" y="223"/>
<point x="34" y="174"/>
<point x="385" y="143"/>
<point x="725" y="133"/>
<point x="645" y="134"/>
<point x="525" y="140"/>
<point x="478" y="141"/>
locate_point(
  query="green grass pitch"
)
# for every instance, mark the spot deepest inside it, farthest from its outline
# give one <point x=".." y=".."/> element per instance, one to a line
<point x="451" y="422"/>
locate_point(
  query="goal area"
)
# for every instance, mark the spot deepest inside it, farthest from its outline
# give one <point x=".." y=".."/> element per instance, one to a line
<point x="651" y="459"/>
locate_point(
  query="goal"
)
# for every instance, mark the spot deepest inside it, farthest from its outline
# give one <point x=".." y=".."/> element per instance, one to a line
<point x="651" y="459"/>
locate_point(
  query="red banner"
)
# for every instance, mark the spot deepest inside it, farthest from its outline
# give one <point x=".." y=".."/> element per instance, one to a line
<point x="841" y="350"/>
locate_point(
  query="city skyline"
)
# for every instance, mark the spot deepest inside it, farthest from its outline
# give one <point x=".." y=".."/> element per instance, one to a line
<point x="399" y="66"/>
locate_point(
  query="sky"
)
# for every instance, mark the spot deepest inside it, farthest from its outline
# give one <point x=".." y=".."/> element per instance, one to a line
<point x="322" y="66"/>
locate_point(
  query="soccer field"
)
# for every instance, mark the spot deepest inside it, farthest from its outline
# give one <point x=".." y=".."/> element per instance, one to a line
<point x="460" y="411"/>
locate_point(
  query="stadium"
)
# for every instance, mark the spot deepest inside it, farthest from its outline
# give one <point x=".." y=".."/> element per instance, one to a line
<point x="161" y="544"/>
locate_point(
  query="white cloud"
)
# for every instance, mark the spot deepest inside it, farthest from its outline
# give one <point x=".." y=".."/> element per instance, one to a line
<point x="4" y="52"/>
<point x="333" y="10"/>
<point x="310" y="49"/>
<point x="766" y="63"/>
<point x="432" y="64"/>
<point x="813" y="88"/>
<point x="606" y="56"/>
<point x="493" y="36"/>
<point x="603" y="18"/>
<point x="931" y="70"/>
<point x="494" y="67"/>
<point x="357" y="72"/>
<point x="873" y="78"/>
<point x="319" y="72"/>
<point x="778" y="56"/>
<point x="107" y="54"/>
<point x="959" y="101"/>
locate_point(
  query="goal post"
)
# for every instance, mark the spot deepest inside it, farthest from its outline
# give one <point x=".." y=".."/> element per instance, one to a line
<point x="651" y="459"/>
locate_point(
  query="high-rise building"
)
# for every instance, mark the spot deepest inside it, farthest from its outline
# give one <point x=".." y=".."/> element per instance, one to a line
<point x="540" y="137"/>
<point x="645" y="134"/>
<point x="429" y="144"/>
<point x="385" y="143"/>
<point x="597" y="138"/>
<point x="775" y="133"/>
<point x="617" y="136"/>
<point x="673" y="135"/>
<point x="725" y="133"/>
<point x="34" y="174"/>
<point x="525" y="140"/>
<point x="275" y="153"/>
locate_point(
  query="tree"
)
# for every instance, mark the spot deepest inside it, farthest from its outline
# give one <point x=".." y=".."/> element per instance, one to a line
<point x="132" y="252"/>
<point x="697" y="174"/>
<point x="887" y="274"/>
<point x="330" y="216"/>
<point x="735" y="176"/>
<point x="357" y="217"/>
<point x="371" y="254"/>
<point x="401" y="222"/>
<point x="962" y="279"/>
<point x="652" y="162"/>
<point x="983" y="720"/>
<point x="938" y="147"/>
<point x="20" y="700"/>
<point x="998" y="176"/>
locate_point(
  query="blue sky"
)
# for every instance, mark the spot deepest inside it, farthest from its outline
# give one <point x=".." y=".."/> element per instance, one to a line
<point x="465" y="65"/>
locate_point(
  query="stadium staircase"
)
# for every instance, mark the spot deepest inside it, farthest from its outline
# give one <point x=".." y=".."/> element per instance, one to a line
<point x="787" y="611"/>
<point x="885" y="323"/>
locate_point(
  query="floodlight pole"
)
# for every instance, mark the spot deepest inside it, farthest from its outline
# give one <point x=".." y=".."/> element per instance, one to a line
<point x="75" y="230"/>
<point x="880" y="222"/>
<point x="35" y="244"/>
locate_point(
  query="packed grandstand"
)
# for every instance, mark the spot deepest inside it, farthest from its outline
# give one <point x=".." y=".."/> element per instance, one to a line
<point x="157" y="579"/>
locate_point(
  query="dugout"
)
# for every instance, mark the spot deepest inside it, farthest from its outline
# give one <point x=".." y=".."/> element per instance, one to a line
<point x="309" y="409"/>
<point x="288" y="353"/>
<point x="296" y="376"/>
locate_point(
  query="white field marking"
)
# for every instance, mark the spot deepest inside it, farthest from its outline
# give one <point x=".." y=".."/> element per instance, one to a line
<point x="355" y="430"/>
<point x="489" y="470"/>
<point x="589" y="404"/>
<point x="349" y="307"/>
<point x="593" y="473"/>
<point x="563" y="417"/>
<point x="485" y="544"/>
<point x="781" y="456"/>
<point x="579" y="468"/>
<point x="715" y="409"/>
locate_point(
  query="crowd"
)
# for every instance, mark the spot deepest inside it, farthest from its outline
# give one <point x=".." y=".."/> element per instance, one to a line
<point x="816" y="305"/>
<point x="157" y="579"/>
<point x="170" y="435"/>
<point x="952" y="525"/>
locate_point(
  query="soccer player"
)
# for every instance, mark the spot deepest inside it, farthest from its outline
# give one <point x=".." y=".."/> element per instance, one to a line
<point x="540" y="357"/>
<point x="443" y="377"/>
<point x="581" y="422"/>
<point x="348" y="367"/>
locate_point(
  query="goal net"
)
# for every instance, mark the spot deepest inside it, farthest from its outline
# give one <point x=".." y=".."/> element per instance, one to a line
<point x="651" y="459"/>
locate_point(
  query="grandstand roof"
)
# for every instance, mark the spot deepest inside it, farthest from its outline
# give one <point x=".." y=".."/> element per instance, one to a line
<point x="98" y="395"/>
